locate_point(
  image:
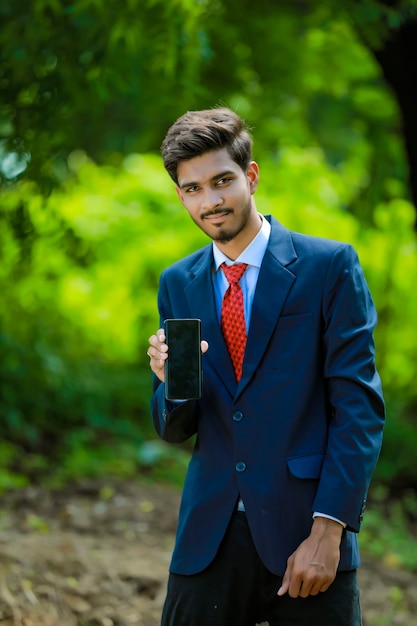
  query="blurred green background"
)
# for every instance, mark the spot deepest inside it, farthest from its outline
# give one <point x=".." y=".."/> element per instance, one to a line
<point x="89" y="218"/>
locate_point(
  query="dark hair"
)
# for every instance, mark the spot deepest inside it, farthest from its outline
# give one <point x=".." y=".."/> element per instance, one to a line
<point x="197" y="132"/>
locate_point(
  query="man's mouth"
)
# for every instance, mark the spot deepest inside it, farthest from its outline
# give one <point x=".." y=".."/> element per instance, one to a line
<point x="216" y="216"/>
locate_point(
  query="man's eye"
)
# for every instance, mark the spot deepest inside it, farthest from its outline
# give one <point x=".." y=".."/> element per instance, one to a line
<point x="191" y="189"/>
<point x="223" y="181"/>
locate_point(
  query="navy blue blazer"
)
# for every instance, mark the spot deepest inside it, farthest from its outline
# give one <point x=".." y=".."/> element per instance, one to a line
<point x="301" y="431"/>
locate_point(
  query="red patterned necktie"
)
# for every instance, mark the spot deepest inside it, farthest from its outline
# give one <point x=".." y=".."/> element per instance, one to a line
<point x="233" y="316"/>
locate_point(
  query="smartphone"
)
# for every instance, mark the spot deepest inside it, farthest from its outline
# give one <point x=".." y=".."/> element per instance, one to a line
<point x="183" y="378"/>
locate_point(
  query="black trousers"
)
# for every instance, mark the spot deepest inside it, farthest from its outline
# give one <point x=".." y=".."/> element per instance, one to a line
<point x="236" y="589"/>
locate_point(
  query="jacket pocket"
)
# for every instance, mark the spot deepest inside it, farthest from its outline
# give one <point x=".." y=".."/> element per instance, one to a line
<point x="306" y="466"/>
<point x="294" y="320"/>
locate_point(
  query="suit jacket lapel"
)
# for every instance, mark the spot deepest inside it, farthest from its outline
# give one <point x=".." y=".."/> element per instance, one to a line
<point x="274" y="283"/>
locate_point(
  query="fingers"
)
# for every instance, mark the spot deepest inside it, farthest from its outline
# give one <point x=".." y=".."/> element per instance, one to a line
<point x="304" y="581"/>
<point x="302" y="586"/>
<point x="157" y="347"/>
<point x="158" y="353"/>
<point x="298" y="586"/>
<point x="283" y="589"/>
<point x="286" y="581"/>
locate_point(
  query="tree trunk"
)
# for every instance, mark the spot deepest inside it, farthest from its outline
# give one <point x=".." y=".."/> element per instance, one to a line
<point x="398" y="60"/>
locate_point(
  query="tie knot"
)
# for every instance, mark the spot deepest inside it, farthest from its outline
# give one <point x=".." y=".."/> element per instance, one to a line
<point x="234" y="272"/>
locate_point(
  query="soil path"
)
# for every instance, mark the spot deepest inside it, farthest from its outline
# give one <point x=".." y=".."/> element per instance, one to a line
<point x="98" y="554"/>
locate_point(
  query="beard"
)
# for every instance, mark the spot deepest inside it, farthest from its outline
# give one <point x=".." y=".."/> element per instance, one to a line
<point x="224" y="235"/>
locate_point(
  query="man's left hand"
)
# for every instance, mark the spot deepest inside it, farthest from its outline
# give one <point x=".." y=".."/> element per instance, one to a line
<point x="312" y="567"/>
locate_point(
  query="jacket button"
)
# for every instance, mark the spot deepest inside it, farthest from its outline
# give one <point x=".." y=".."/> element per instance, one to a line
<point x="238" y="416"/>
<point x="240" y="466"/>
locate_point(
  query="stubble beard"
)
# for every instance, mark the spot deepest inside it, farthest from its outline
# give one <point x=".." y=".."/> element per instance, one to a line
<point x="224" y="235"/>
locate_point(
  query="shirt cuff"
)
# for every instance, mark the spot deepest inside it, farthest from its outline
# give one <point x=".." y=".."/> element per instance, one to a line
<point x="317" y="514"/>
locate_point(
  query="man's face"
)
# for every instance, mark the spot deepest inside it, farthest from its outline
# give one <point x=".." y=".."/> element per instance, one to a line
<point x="217" y="194"/>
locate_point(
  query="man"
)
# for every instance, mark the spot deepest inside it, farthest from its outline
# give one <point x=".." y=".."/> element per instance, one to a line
<point x="287" y="439"/>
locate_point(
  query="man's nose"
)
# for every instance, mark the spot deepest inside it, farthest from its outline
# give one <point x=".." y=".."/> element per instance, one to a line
<point x="212" y="199"/>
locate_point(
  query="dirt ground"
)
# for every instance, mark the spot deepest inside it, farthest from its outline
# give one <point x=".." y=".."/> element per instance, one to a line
<point x="98" y="554"/>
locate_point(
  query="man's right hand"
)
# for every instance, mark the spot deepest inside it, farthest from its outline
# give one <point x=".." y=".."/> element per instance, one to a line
<point x="158" y="353"/>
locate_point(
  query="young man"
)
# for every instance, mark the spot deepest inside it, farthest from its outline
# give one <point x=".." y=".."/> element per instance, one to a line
<point x="287" y="439"/>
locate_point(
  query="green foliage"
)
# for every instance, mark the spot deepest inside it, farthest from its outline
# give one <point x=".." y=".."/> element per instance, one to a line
<point x="79" y="274"/>
<point x="109" y="80"/>
<point x="388" y="531"/>
<point x="86" y="74"/>
<point x="10" y="478"/>
<point x="79" y="280"/>
<point x="88" y="218"/>
<point x="163" y="462"/>
<point x="375" y="18"/>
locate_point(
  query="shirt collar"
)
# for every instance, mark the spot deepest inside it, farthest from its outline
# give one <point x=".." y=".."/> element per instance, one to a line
<point x="253" y="254"/>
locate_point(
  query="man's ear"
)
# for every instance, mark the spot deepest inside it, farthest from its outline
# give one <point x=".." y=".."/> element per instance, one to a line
<point x="179" y="194"/>
<point x="252" y="173"/>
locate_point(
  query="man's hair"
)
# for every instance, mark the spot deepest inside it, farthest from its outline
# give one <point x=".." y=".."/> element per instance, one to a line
<point x="197" y="132"/>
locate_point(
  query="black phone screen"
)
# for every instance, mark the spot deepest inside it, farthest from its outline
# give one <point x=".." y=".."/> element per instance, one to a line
<point x="183" y="365"/>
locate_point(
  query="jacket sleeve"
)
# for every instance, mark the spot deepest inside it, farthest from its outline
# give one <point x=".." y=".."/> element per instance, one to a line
<point x="354" y="391"/>
<point x="173" y="421"/>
